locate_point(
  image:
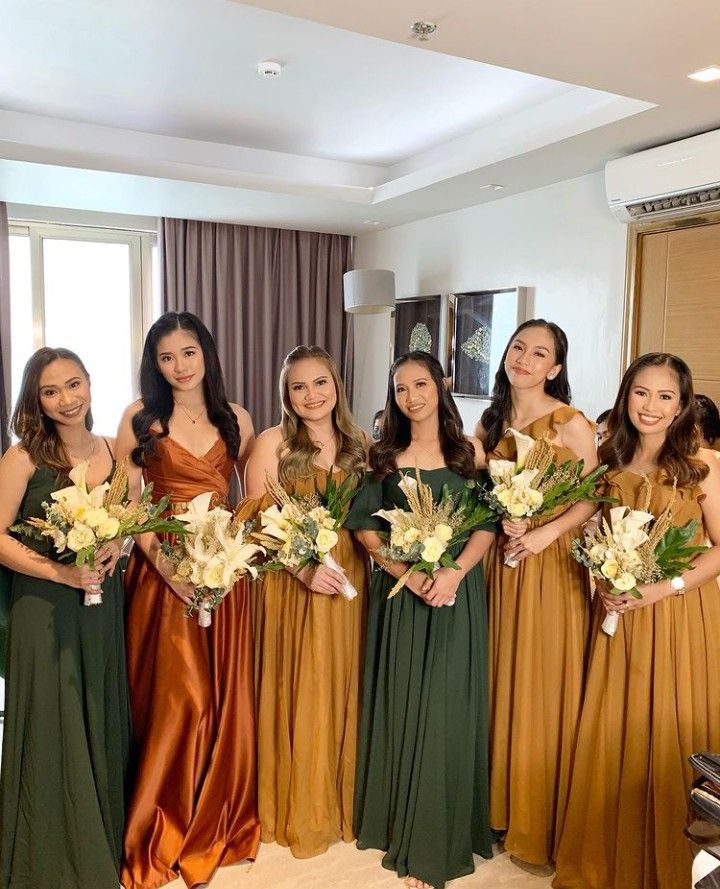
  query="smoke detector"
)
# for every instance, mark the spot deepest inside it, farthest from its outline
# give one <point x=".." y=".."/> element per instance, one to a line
<point x="423" y="30"/>
<point x="269" y="69"/>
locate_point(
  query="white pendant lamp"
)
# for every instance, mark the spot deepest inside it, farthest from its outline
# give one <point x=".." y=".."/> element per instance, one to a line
<point x="369" y="290"/>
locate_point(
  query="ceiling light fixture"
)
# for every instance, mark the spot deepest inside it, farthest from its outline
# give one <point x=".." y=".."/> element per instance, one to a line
<point x="706" y="75"/>
<point x="370" y="222"/>
<point x="492" y="185"/>
<point x="423" y="30"/>
<point x="269" y="69"/>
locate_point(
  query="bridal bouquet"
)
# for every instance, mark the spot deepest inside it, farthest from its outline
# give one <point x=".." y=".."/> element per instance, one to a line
<point x="636" y="547"/>
<point x="424" y="534"/>
<point x="80" y="522"/>
<point x="301" y="530"/>
<point x="534" y="485"/>
<point x="212" y="554"/>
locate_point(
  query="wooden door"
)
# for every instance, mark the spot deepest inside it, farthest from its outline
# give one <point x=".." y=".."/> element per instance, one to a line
<point x="678" y="307"/>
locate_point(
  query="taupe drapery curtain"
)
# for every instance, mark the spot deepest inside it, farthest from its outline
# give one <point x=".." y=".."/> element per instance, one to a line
<point x="260" y="291"/>
<point x="5" y="364"/>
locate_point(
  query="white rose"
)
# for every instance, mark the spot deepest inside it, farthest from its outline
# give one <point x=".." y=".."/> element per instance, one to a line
<point x="432" y="549"/>
<point x="95" y="517"/>
<point x="325" y="540"/>
<point x="625" y="582"/>
<point x="109" y="528"/>
<point x="213" y="574"/>
<point x="412" y="535"/>
<point x="610" y="569"/>
<point x="80" y="537"/>
<point x="517" y="508"/>
<point x="443" y="532"/>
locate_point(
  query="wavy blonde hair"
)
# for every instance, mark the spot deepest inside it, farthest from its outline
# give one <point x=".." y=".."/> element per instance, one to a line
<point x="297" y="453"/>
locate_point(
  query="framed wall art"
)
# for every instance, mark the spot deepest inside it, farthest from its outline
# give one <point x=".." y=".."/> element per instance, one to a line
<point x="483" y="322"/>
<point x="421" y="323"/>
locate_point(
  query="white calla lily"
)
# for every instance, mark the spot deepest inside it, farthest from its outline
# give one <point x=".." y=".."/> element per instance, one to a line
<point x="523" y="443"/>
<point x="197" y="511"/>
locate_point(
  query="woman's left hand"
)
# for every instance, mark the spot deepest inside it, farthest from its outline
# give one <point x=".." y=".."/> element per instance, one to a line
<point x="530" y="544"/>
<point x="651" y="594"/>
<point x="106" y="558"/>
<point x="444" y="587"/>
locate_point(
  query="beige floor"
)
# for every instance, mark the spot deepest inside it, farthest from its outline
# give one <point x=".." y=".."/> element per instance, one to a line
<point x="345" y="867"/>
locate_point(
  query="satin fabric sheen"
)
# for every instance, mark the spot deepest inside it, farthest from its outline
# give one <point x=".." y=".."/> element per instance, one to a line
<point x="194" y="804"/>
<point x="538" y="619"/>
<point x="652" y="699"/>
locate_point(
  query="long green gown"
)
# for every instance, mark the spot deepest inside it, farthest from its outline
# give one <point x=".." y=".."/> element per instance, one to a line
<point x="67" y="729"/>
<point x="422" y="778"/>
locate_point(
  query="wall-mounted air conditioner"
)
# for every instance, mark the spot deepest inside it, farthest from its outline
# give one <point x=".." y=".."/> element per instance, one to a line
<point x="665" y="180"/>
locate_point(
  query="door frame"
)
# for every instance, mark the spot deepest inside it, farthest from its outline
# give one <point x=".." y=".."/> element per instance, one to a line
<point x="633" y="264"/>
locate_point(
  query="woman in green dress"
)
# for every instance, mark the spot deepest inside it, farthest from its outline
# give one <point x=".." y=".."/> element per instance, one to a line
<point x="422" y="779"/>
<point x="66" y="733"/>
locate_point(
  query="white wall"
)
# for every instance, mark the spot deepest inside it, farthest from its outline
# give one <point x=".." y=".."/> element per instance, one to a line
<point x="560" y="241"/>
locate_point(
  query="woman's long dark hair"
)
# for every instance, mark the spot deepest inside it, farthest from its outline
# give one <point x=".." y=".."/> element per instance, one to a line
<point x="36" y="431"/>
<point x="458" y="452"/>
<point x="496" y="417"/>
<point x="677" y="457"/>
<point x="157" y="394"/>
<point x="708" y="418"/>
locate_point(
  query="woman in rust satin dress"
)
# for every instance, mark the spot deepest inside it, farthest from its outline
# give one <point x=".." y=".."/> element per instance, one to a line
<point x="194" y="807"/>
<point x="308" y="638"/>
<point x="538" y="610"/>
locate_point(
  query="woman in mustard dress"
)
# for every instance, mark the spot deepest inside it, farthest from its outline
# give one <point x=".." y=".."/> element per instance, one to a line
<point x="193" y="806"/>
<point x="653" y="689"/>
<point x="538" y="610"/>
<point x="308" y="637"/>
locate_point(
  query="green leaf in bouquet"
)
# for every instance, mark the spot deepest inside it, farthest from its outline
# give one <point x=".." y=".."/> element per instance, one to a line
<point x="447" y="561"/>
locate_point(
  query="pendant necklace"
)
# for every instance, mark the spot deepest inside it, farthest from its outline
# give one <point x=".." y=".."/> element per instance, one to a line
<point x="429" y="453"/>
<point x="89" y="456"/>
<point x="187" y="413"/>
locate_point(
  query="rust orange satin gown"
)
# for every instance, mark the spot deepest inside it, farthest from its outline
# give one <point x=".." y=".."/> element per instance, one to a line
<point x="194" y="804"/>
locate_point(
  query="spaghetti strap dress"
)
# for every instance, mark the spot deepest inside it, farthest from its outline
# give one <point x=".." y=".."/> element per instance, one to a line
<point x="66" y="735"/>
<point x="193" y="807"/>
<point x="539" y="619"/>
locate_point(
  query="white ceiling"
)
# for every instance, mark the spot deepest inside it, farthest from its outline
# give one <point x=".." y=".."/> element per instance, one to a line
<point x="155" y="107"/>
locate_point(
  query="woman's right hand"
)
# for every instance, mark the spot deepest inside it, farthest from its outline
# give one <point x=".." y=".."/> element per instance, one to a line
<point x="81" y="577"/>
<point x="419" y="584"/>
<point x="515" y="527"/>
<point x="321" y="579"/>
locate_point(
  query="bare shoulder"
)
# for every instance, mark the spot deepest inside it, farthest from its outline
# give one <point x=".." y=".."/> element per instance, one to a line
<point x="577" y="427"/>
<point x="131" y="410"/>
<point x="242" y="415"/>
<point x="269" y="440"/>
<point x="479" y="432"/>
<point x="479" y="451"/>
<point x="16" y="460"/>
<point x="712" y="460"/>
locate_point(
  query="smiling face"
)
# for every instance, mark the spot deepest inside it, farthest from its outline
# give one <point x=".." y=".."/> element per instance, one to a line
<point x="311" y="389"/>
<point x="654" y="400"/>
<point x="180" y="360"/>
<point x="415" y="391"/>
<point x="64" y="392"/>
<point x="530" y="359"/>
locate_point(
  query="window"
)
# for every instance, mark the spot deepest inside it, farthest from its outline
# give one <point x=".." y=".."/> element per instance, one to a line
<point x="86" y="289"/>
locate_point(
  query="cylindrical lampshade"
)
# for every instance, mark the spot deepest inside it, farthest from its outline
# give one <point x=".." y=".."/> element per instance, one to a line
<point x="369" y="290"/>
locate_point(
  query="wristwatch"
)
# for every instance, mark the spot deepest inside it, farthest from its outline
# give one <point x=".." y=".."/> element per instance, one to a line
<point x="678" y="584"/>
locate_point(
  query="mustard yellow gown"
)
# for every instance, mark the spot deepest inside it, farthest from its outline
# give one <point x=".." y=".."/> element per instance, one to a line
<point x="538" y="623"/>
<point x="308" y="663"/>
<point x="652" y="699"/>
